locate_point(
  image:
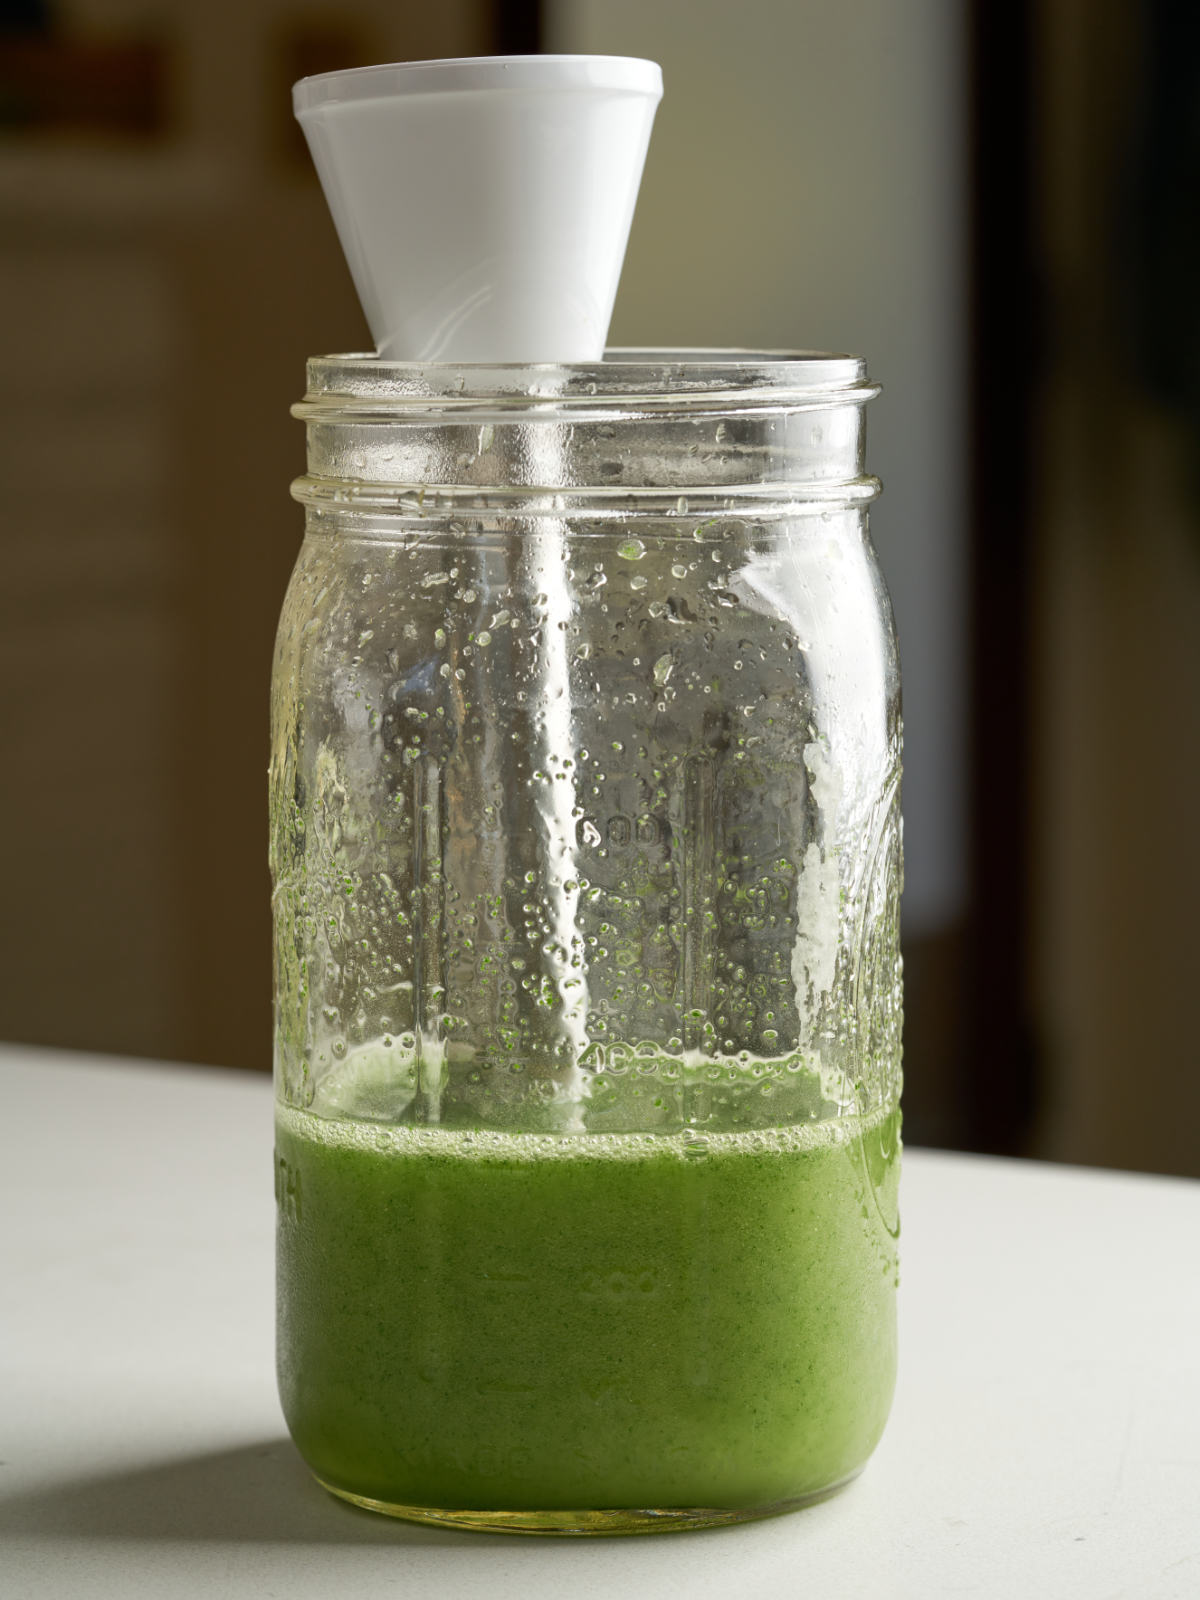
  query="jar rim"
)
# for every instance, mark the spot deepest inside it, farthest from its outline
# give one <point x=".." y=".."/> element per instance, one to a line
<point x="650" y="379"/>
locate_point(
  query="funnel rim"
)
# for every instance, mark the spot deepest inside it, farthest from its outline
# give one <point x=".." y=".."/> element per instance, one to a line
<point x="514" y="74"/>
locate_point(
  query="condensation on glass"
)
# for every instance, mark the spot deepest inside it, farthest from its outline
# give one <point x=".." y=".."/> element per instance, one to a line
<point x="586" y="755"/>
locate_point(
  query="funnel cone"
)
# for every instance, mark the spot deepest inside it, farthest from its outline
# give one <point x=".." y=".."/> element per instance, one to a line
<point x="484" y="205"/>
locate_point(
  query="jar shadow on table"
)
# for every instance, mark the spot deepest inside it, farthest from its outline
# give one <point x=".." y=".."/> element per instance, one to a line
<point x="259" y="1493"/>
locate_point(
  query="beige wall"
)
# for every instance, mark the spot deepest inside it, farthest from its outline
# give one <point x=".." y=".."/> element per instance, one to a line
<point x="166" y="296"/>
<point x="161" y="303"/>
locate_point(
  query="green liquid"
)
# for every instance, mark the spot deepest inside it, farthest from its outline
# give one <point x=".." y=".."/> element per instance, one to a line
<point x="497" y="1321"/>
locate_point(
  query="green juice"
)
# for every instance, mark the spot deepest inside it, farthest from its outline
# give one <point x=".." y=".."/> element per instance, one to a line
<point x="536" y="1324"/>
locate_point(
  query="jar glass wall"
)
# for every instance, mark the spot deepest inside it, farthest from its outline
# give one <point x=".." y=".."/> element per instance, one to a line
<point x="586" y="844"/>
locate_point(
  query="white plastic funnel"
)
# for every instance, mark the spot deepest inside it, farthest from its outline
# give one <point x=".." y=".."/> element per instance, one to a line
<point x="484" y="205"/>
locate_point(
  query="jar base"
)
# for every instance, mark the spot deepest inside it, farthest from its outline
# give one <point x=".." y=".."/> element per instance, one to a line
<point x="583" y="1524"/>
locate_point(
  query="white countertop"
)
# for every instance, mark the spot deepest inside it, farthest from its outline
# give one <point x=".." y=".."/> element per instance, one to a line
<point x="1045" y="1439"/>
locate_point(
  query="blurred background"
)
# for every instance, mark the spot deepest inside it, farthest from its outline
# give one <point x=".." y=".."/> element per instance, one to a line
<point x="998" y="204"/>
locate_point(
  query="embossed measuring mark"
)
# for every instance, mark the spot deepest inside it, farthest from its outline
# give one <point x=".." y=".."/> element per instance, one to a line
<point x="622" y="1287"/>
<point x="646" y="829"/>
<point x="620" y="830"/>
<point x="287" y="1189"/>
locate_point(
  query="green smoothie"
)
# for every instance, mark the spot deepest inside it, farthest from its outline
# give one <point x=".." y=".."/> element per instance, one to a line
<point x="528" y="1322"/>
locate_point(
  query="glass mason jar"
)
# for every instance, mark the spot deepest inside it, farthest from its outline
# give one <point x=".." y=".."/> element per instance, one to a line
<point x="585" y="835"/>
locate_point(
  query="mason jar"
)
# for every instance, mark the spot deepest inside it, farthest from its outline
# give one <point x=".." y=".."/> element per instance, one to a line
<point x="585" y="836"/>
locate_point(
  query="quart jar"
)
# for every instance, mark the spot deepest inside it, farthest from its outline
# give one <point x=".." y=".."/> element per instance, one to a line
<point x="586" y="845"/>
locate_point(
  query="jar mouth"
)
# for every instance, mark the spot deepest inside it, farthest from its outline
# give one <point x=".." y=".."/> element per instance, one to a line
<point x="641" y="380"/>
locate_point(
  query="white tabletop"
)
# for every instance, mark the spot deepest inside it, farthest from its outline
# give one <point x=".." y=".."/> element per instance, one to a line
<point x="1045" y="1439"/>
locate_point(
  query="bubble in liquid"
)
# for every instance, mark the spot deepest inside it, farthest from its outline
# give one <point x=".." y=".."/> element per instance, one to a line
<point x="631" y="549"/>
